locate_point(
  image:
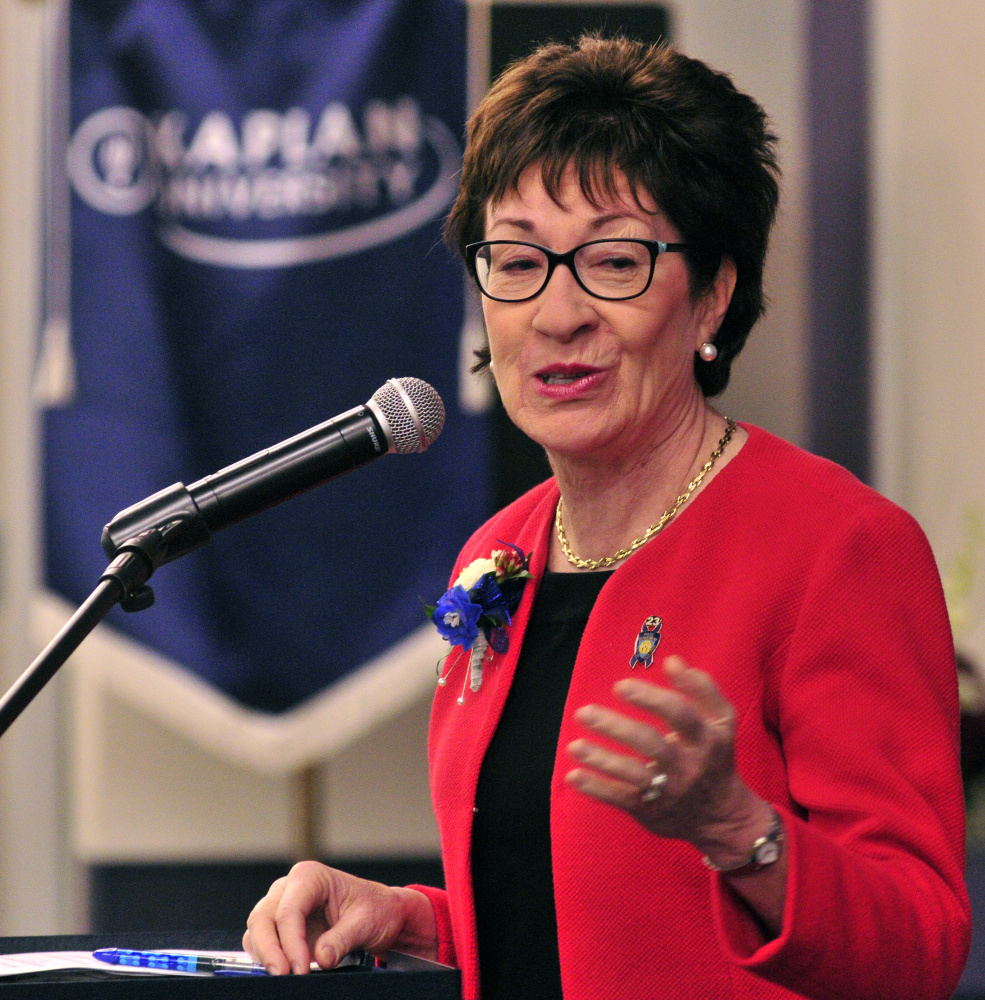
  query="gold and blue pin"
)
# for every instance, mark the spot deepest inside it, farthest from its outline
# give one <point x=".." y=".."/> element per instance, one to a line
<point x="647" y="642"/>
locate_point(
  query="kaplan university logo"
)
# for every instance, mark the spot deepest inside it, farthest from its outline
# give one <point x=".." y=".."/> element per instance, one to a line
<point x="274" y="189"/>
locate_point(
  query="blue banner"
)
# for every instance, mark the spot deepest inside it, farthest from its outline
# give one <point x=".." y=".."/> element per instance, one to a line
<point x="257" y="196"/>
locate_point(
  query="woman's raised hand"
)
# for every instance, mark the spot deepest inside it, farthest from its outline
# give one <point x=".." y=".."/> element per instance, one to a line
<point x="317" y="913"/>
<point x="686" y="786"/>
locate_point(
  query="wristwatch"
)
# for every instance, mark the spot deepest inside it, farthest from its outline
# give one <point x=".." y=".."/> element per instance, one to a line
<point x="765" y="851"/>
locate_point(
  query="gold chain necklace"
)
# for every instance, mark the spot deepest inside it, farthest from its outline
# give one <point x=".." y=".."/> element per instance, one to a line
<point x="654" y="529"/>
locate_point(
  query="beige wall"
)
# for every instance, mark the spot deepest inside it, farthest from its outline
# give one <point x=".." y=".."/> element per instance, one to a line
<point x="929" y="268"/>
<point x="761" y="43"/>
<point x="38" y="884"/>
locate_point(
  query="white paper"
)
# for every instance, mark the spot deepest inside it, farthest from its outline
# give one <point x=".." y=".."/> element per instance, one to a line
<point x="49" y="961"/>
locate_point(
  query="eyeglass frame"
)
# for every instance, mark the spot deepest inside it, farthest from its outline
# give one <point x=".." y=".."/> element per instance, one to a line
<point x="655" y="247"/>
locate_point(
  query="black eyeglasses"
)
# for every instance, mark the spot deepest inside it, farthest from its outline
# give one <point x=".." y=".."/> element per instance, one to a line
<point x="511" y="271"/>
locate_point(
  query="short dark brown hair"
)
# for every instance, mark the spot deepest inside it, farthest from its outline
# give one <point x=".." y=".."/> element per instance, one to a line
<point x="677" y="129"/>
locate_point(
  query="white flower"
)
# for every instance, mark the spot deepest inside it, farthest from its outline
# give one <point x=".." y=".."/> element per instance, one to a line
<point x="469" y="576"/>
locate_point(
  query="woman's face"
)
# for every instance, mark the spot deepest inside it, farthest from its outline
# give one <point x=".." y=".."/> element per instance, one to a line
<point x="583" y="376"/>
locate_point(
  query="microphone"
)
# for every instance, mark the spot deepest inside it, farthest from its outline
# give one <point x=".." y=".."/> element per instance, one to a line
<point x="405" y="415"/>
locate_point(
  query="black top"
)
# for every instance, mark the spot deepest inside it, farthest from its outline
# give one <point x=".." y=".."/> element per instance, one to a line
<point x="511" y="835"/>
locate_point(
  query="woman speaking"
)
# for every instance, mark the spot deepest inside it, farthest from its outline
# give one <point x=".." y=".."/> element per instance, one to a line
<point x="698" y="736"/>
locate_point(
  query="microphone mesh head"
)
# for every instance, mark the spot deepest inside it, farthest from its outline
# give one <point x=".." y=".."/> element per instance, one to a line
<point x="416" y="414"/>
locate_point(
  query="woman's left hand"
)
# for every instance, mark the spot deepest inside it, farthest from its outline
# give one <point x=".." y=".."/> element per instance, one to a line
<point x="686" y="786"/>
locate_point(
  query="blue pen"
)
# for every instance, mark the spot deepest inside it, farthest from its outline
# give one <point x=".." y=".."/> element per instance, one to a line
<point x="176" y="962"/>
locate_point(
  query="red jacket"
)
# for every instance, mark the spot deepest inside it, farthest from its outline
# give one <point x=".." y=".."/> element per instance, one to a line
<point x="816" y="606"/>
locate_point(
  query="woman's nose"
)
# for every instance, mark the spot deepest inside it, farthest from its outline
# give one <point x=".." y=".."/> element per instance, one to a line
<point x="564" y="308"/>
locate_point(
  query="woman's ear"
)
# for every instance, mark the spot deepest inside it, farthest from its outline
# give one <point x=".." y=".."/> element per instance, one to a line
<point x="715" y="302"/>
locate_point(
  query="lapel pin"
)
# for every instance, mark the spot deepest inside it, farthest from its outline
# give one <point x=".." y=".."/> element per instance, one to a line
<point x="647" y="642"/>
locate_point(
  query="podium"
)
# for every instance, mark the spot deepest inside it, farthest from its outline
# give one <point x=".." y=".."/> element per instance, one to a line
<point x="404" y="978"/>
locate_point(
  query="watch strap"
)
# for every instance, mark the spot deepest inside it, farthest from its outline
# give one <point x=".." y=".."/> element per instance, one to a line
<point x="765" y="851"/>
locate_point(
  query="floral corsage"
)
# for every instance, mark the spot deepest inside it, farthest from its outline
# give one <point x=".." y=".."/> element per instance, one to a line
<point x="475" y="612"/>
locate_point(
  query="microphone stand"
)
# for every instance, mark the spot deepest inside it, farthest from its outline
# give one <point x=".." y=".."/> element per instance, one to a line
<point x="179" y="519"/>
<point x="124" y="582"/>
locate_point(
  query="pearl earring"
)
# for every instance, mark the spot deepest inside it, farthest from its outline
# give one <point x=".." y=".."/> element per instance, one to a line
<point x="708" y="351"/>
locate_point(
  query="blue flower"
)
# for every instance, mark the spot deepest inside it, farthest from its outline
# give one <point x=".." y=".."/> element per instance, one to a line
<point x="456" y="617"/>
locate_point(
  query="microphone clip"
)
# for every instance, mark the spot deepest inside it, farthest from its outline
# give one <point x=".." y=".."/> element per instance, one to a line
<point x="136" y="559"/>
